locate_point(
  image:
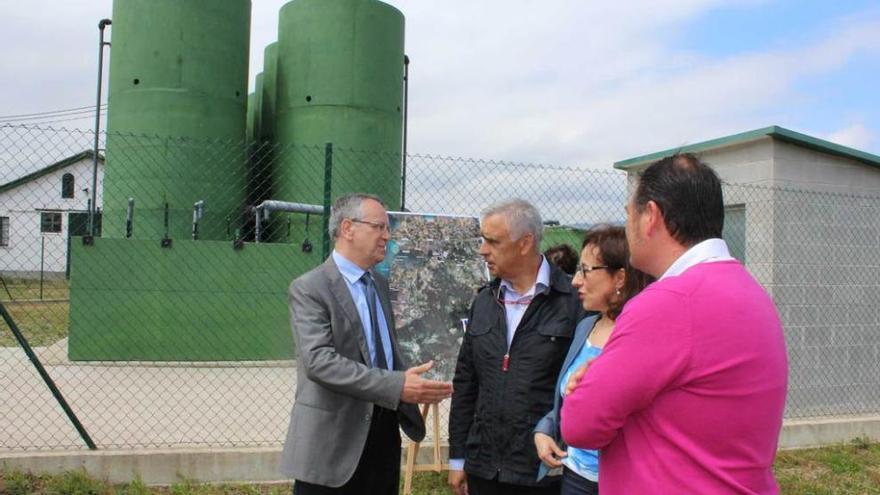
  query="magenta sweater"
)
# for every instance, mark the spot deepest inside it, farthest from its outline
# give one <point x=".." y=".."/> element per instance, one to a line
<point x="688" y="394"/>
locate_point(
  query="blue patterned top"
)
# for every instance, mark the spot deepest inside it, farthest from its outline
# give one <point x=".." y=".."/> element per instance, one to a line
<point x="581" y="461"/>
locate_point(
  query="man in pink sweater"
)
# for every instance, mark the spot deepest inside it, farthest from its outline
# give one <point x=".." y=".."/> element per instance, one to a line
<point x="688" y="394"/>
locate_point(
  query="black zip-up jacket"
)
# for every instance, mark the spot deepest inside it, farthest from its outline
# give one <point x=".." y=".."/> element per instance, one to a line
<point x="494" y="412"/>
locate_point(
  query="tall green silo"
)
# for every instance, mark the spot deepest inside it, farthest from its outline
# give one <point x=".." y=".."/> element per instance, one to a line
<point x="259" y="186"/>
<point x="340" y="80"/>
<point x="258" y="107"/>
<point x="177" y="115"/>
<point x="270" y="87"/>
<point x="251" y="115"/>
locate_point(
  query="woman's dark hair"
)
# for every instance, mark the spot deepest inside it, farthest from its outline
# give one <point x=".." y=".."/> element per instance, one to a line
<point x="613" y="251"/>
<point x="563" y="256"/>
<point x="688" y="194"/>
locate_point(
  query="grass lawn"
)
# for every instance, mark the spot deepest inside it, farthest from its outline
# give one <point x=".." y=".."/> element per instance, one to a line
<point x="21" y="289"/>
<point x="42" y="322"/>
<point x="851" y="469"/>
<point x="842" y="469"/>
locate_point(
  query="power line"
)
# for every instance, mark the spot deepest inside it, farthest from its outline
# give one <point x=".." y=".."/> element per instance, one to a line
<point x="77" y="115"/>
<point x="103" y="114"/>
<point x="37" y="120"/>
<point x="51" y="115"/>
<point x="50" y="112"/>
<point x="43" y="122"/>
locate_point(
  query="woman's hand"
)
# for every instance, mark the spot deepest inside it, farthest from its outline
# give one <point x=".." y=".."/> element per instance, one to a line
<point x="548" y="450"/>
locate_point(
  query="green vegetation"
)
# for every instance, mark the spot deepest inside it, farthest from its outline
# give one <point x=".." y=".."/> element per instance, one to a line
<point x="21" y="289"/>
<point x="562" y="235"/>
<point x="836" y="470"/>
<point x="79" y="483"/>
<point x="42" y="321"/>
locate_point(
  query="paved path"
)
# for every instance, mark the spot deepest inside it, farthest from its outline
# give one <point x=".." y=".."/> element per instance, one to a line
<point x="146" y="404"/>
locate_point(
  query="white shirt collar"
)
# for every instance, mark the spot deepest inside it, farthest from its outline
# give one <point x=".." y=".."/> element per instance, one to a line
<point x="542" y="281"/>
<point x="708" y="251"/>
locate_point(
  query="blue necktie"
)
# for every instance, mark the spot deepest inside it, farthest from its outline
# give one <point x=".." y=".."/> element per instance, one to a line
<point x="370" y="293"/>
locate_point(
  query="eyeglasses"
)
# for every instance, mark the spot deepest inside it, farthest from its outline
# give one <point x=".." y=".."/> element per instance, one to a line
<point x="380" y="226"/>
<point x="585" y="269"/>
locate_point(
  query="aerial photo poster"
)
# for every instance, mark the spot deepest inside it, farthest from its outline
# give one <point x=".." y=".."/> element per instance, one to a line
<point x="434" y="270"/>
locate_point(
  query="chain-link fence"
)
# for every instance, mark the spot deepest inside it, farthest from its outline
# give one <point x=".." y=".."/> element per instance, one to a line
<point x="152" y="288"/>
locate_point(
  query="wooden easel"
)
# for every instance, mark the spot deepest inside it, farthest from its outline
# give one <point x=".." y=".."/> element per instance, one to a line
<point x="412" y="451"/>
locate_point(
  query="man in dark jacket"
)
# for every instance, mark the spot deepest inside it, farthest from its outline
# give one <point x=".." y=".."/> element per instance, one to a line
<point x="518" y="333"/>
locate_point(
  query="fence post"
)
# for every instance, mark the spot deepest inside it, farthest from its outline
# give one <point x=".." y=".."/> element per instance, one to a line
<point x="46" y="378"/>
<point x="101" y="44"/>
<point x="405" y="125"/>
<point x="42" y="257"/>
<point x="67" y="252"/>
<point x="328" y="178"/>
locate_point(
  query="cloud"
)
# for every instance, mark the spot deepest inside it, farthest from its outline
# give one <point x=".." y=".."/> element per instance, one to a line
<point x="579" y="84"/>
<point x="590" y="87"/>
<point x="465" y="186"/>
<point x="855" y="136"/>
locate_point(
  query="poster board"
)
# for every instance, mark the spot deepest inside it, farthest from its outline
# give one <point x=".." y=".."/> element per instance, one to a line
<point x="433" y="269"/>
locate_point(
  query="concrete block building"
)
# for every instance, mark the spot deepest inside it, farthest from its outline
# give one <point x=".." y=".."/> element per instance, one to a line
<point x="803" y="214"/>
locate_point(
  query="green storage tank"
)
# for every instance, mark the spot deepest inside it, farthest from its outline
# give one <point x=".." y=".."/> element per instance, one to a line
<point x="251" y="114"/>
<point x="270" y="85"/>
<point x="258" y="107"/>
<point x="178" y="74"/>
<point x="260" y="156"/>
<point x="340" y="80"/>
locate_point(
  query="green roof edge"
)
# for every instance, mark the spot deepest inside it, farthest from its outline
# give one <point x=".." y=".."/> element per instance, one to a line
<point x="48" y="170"/>
<point x="774" y="131"/>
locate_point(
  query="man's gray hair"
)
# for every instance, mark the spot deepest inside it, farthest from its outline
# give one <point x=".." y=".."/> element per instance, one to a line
<point x="348" y="206"/>
<point x="522" y="218"/>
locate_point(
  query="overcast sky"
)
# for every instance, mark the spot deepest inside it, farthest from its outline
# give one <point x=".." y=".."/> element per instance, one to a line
<point x="573" y="83"/>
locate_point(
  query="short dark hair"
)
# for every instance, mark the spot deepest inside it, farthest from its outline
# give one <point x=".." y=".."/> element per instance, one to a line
<point x="688" y="193"/>
<point x="613" y="251"/>
<point x="563" y="256"/>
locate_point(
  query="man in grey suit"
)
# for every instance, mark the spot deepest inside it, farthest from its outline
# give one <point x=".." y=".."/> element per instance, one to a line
<point x="352" y="393"/>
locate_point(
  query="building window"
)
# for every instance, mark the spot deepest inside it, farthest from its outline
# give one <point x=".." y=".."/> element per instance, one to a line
<point x="734" y="232"/>
<point x="4" y="231"/>
<point x="50" y="222"/>
<point x="67" y="186"/>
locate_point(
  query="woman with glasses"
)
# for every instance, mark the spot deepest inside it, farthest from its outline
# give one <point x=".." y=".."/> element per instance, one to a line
<point x="605" y="281"/>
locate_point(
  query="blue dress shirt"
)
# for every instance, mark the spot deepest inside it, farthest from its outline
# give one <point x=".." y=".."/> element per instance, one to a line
<point x="352" y="275"/>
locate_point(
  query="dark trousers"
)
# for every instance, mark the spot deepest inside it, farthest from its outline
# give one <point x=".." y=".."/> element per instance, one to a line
<point x="575" y="484"/>
<point x="482" y="486"/>
<point x="378" y="471"/>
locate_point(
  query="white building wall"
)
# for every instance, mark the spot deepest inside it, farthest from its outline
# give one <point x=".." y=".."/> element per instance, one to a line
<point x="743" y="163"/>
<point x="803" y="168"/>
<point x="28" y="247"/>
<point x="812" y="223"/>
<point x="827" y="282"/>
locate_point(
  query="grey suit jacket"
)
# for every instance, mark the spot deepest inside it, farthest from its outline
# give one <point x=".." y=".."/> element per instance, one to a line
<point x="335" y="389"/>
